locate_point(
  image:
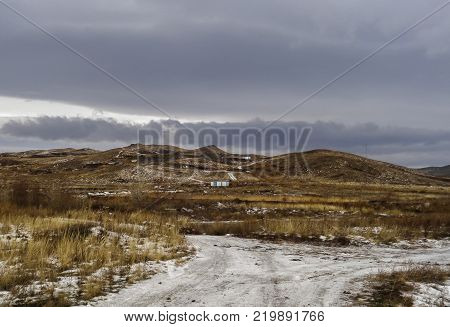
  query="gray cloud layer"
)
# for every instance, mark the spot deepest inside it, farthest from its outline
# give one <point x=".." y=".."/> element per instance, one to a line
<point x="408" y="146"/>
<point x="234" y="60"/>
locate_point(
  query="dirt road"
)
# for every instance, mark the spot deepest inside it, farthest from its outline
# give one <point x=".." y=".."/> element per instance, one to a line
<point x="228" y="271"/>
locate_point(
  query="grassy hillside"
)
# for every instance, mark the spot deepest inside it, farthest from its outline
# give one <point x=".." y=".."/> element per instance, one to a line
<point x="174" y="165"/>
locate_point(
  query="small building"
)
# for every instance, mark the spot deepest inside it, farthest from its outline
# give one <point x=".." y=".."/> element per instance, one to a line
<point x="220" y="184"/>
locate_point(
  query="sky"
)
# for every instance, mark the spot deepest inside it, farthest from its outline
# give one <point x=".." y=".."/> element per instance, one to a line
<point x="239" y="62"/>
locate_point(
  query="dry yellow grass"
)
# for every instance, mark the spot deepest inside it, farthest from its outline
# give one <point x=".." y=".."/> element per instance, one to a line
<point x="393" y="288"/>
<point x="341" y="229"/>
<point x="41" y="248"/>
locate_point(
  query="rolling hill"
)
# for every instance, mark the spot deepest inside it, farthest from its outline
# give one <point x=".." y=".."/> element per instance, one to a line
<point x="170" y="164"/>
<point x="343" y="167"/>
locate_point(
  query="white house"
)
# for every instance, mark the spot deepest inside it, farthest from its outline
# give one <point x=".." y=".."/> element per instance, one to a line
<point x="220" y="184"/>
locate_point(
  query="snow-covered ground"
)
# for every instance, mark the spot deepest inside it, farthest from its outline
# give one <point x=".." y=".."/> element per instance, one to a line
<point x="229" y="271"/>
<point x="232" y="177"/>
<point x="426" y="295"/>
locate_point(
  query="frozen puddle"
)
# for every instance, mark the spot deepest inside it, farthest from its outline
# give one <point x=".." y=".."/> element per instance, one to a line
<point x="229" y="271"/>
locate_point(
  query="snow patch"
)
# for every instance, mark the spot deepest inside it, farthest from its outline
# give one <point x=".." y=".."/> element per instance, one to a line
<point x="426" y="295"/>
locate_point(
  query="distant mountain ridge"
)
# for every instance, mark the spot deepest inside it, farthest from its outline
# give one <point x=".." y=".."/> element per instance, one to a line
<point x="436" y="171"/>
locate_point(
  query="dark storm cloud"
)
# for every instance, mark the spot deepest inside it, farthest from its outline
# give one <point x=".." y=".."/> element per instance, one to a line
<point x="233" y="60"/>
<point x="410" y="146"/>
<point x="60" y="128"/>
<point x="323" y="133"/>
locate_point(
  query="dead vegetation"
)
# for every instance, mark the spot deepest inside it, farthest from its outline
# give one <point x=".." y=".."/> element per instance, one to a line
<point x="396" y="287"/>
<point x="51" y="256"/>
<point x="339" y="231"/>
<point x="391" y="218"/>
